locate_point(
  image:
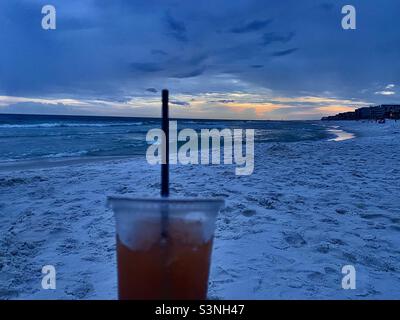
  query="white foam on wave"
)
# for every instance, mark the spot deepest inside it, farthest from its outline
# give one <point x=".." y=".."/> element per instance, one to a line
<point x="60" y="125"/>
<point x="341" y="135"/>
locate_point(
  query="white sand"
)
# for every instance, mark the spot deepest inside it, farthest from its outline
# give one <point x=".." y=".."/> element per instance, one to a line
<point x="309" y="209"/>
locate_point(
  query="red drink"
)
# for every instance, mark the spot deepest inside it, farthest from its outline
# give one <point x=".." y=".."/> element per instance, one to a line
<point x="176" y="266"/>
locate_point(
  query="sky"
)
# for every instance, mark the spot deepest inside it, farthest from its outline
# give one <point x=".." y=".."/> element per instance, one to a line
<point x="236" y="59"/>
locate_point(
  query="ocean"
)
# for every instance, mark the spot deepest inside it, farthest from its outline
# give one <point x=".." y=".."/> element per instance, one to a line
<point x="35" y="137"/>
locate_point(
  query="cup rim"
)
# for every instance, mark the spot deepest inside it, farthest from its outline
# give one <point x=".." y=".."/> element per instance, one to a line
<point x="166" y="200"/>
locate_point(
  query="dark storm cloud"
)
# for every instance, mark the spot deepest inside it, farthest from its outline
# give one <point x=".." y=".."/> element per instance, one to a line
<point x="222" y="101"/>
<point x="176" y="28"/>
<point x="252" y="26"/>
<point x="190" y="74"/>
<point x="180" y="103"/>
<point x="272" y="37"/>
<point x="283" y="52"/>
<point x="114" y="49"/>
<point x="152" y="90"/>
<point x="197" y="59"/>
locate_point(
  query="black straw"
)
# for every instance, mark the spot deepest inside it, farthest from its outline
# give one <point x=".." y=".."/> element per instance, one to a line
<point x="165" y="164"/>
<point x="165" y="128"/>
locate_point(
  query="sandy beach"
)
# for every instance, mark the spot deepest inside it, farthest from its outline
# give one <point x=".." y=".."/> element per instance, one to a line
<point x="310" y="208"/>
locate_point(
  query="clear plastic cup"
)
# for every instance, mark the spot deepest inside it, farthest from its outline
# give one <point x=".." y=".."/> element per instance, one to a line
<point x="164" y="246"/>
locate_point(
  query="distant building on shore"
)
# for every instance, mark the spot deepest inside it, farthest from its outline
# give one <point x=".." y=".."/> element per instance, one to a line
<point x="383" y="111"/>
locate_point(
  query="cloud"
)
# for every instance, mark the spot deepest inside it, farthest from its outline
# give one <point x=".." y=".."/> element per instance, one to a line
<point x="152" y="90"/>
<point x="10" y="100"/>
<point x="385" y="93"/>
<point x="40" y="108"/>
<point x="180" y="103"/>
<point x="176" y="28"/>
<point x="272" y="37"/>
<point x="223" y="101"/>
<point x="234" y="105"/>
<point x="252" y="26"/>
<point x="283" y="52"/>
<point x="190" y="74"/>
<point x="105" y="53"/>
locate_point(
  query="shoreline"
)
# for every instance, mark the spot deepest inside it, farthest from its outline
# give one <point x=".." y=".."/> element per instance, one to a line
<point x="45" y="163"/>
<point x="54" y="163"/>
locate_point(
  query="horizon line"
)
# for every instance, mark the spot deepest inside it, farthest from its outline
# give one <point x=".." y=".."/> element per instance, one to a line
<point x="144" y="117"/>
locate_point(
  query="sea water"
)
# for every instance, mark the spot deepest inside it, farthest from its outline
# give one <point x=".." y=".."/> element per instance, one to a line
<point x="38" y="137"/>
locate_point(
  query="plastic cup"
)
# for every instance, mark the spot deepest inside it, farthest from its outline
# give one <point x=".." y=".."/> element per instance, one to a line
<point x="164" y="246"/>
